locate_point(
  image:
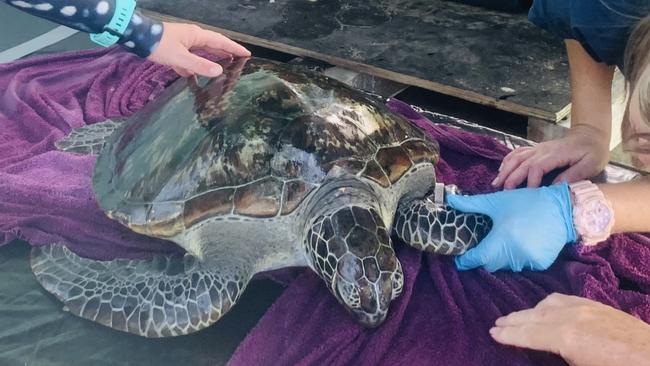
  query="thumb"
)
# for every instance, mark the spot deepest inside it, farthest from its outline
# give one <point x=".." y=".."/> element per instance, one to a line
<point x="481" y="255"/>
<point x="198" y="65"/>
<point x="470" y="204"/>
<point x="575" y="173"/>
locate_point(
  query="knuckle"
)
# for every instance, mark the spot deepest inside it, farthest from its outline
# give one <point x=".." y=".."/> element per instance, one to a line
<point x="511" y="155"/>
<point x="527" y="164"/>
<point x="536" y="170"/>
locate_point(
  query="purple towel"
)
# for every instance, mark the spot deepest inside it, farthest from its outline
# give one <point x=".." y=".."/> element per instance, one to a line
<point x="442" y="316"/>
<point x="45" y="195"/>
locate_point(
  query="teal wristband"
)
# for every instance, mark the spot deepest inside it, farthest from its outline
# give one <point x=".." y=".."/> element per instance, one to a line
<point x="118" y="24"/>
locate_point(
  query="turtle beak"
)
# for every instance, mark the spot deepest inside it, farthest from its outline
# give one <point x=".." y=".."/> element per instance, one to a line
<point x="192" y="251"/>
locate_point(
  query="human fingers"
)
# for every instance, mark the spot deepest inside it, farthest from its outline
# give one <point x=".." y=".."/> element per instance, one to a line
<point x="511" y="162"/>
<point x="182" y="71"/>
<point x="534" y="315"/>
<point x="484" y="254"/>
<point x="582" y="170"/>
<point x="197" y="65"/>
<point x="541" y="337"/>
<point x="218" y="42"/>
<point x="479" y="203"/>
<point x="557" y="299"/>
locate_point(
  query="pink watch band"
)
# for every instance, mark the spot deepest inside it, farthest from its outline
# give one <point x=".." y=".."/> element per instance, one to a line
<point x="593" y="215"/>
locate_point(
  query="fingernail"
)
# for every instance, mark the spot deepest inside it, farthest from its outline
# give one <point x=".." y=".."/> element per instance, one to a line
<point x="500" y="167"/>
<point x="493" y="330"/>
<point x="215" y="71"/>
<point x="495" y="181"/>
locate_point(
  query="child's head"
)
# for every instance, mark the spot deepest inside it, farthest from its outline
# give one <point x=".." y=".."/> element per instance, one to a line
<point x="636" y="126"/>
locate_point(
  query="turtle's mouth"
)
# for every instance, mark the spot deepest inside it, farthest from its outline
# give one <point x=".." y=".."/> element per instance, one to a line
<point x="370" y="320"/>
<point x="366" y="304"/>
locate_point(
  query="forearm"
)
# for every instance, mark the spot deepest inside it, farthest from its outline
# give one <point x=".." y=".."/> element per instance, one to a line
<point x="141" y="36"/>
<point x="631" y="204"/>
<point x="591" y="91"/>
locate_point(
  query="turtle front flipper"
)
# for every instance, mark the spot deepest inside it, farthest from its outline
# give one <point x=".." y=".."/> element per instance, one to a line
<point x="163" y="297"/>
<point x="430" y="225"/>
<point x="88" y="139"/>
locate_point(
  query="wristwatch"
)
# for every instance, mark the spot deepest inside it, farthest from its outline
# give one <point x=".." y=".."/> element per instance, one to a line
<point x="117" y="26"/>
<point x="593" y="216"/>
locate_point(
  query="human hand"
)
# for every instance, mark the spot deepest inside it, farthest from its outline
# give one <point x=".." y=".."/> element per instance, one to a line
<point x="530" y="226"/>
<point x="585" y="150"/>
<point x="582" y="331"/>
<point x="179" y="39"/>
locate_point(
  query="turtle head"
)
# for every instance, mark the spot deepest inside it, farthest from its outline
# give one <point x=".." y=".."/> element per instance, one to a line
<point x="366" y="299"/>
<point x="350" y="249"/>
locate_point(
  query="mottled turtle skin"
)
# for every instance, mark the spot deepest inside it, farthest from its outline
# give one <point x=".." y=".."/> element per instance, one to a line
<point x="264" y="167"/>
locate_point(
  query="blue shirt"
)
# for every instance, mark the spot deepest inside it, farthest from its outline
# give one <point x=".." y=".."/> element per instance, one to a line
<point x="601" y="26"/>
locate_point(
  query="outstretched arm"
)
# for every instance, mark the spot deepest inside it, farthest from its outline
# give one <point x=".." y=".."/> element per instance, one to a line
<point x="585" y="149"/>
<point x="91" y="16"/>
<point x="164" y="43"/>
<point x="582" y="331"/>
<point x="631" y="204"/>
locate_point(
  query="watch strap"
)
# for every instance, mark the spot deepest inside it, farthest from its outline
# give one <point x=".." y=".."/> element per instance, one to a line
<point x="124" y="10"/>
<point x="586" y="194"/>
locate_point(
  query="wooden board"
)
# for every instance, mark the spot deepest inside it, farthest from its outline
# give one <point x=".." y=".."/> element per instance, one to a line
<point x="468" y="52"/>
<point x="501" y="5"/>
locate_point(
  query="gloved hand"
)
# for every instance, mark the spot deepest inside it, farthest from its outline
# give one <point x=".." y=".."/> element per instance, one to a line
<point x="530" y="226"/>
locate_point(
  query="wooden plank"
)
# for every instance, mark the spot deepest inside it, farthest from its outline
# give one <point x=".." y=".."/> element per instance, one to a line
<point x="501" y="5"/>
<point x="383" y="87"/>
<point x="495" y="59"/>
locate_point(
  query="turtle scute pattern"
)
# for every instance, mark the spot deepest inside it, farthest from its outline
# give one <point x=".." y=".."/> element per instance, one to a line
<point x="263" y="152"/>
<point x="254" y="144"/>
<point x="439" y="229"/>
<point x="391" y="163"/>
<point x="353" y="245"/>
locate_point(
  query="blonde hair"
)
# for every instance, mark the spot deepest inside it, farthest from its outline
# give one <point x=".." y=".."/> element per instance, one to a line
<point x="637" y="70"/>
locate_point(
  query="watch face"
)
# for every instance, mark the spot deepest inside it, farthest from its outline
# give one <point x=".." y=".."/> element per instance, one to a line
<point x="597" y="216"/>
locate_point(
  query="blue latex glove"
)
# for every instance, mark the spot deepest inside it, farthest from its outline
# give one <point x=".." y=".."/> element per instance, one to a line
<point x="530" y="226"/>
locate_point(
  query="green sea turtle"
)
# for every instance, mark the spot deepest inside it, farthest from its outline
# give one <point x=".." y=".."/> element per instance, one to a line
<point x="264" y="167"/>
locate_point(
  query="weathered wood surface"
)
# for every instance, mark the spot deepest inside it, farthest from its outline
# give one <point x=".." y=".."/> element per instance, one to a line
<point x="483" y="56"/>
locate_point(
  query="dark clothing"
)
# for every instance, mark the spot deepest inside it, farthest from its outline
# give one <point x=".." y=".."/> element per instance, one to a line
<point x="141" y="36"/>
<point x="601" y="26"/>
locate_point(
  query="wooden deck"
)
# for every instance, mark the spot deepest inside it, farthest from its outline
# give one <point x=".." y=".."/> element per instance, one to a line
<point x="492" y="58"/>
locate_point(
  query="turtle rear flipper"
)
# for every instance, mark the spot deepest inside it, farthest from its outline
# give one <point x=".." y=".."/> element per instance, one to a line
<point x="163" y="297"/>
<point x="88" y="139"/>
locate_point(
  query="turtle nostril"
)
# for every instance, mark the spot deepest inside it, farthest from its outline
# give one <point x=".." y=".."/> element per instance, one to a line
<point x="369" y="304"/>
